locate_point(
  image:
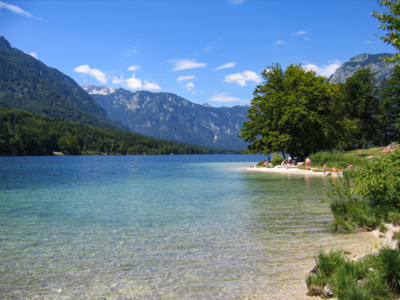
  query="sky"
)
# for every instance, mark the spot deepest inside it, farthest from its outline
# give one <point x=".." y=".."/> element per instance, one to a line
<point x="206" y="51"/>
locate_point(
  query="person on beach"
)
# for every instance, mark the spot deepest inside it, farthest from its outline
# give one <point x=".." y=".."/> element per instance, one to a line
<point x="296" y="159"/>
<point x="289" y="160"/>
<point x="308" y="163"/>
<point x="269" y="159"/>
<point x="283" y="163"/>
<point x="265" y="164"/>
<point x="350" y="167"/>
<point x="324" y="168"/>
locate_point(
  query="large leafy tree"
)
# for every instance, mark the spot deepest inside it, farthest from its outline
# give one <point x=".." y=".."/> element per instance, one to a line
<point x="390" y="107"/>
<point x="391" y="22"/>
<point x="359" y="96"/>
<point x="295" y="110"/>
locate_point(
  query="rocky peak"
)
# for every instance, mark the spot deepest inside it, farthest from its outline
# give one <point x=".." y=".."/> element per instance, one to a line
<point x="206" y="105"/>
<point x="382" y="69"/>
<point x="98" y="90"/>
<point x="4" y="44"/>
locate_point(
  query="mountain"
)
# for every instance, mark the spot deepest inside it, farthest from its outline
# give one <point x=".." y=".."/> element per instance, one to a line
<point x="381" y="68"/>
<point x="168" y="116"/>
<point x="28" y="84"/>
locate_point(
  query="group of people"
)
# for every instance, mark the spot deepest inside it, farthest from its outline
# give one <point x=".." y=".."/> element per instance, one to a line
<point x="388" y="149"/>
<point x="308" y="164"/>
<point x="341" y="168"/>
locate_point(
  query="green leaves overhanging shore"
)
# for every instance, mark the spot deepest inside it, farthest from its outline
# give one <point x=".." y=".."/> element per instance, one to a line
<point x="24" y="133"/>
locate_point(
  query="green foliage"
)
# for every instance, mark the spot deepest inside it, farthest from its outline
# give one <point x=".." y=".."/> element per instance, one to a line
<point x="367" y="197"/>
<point x="379" y="180"/>
<point x="354" y="279"/>
<point x="28" y="84"/>
<point x="328" y="262"/>
<point x="297" y="111"/>
<point x="276" y="159"/>
<point x="361" y="104"/>
<point x="23" y="133"/>
<point x="260" y="163"/>
<point x="334" y="159"/>
<point x="390" y="267"/>
<point x="69" y="145"/>
<point x="390" y="107"/>
<point x="351" y="211"/>
<point x="390" y="21"/>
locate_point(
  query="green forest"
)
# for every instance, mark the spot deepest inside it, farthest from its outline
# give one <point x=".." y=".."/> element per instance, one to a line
<point x="25" y="133"/>
<point x="299" y="112"/>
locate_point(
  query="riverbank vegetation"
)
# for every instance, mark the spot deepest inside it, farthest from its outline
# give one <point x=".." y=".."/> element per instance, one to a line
<point x="24" y="133"/>
<point x="374" y="276"/>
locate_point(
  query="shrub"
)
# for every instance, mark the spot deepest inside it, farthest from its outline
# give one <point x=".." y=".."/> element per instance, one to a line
<point x="277" y="159"/>
<point x="260" y="163"/>
<point x="389" y="262"/>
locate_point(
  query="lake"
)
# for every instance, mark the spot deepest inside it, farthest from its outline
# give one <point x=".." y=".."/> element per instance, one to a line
<point x="158" y="227"/>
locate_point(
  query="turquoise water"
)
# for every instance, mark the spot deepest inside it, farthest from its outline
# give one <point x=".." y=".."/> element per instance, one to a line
<point x="155" y="227"/>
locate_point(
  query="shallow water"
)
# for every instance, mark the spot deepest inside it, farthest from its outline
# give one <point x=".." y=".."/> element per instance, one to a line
<point x="157" y="227"/>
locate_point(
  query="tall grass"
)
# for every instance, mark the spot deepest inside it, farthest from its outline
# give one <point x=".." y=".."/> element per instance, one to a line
<point x="375" y="276"/>
<point x="334" y="159"/>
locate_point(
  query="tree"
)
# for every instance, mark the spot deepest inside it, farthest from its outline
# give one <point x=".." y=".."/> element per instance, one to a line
<point x="295" y="110"/>
<point x="390" y="22"/>
<point x="69" y="145"/>
<point x="390" y="107"/>
<point x="361" y="104"/>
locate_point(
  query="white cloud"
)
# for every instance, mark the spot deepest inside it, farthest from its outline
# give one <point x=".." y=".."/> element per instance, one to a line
<point x="33" y="54"/>
<point x="369" y="42"/>
<point x="134" y="68"/>
<point x="128" y="53"/>
<point x="299" y="33"/>
<point x="242" y="78"/>
<point x="117" y="80"/>
<point x="17" y="10"/>
<point x="280" y="42"/>
<point x="190" y="86"/>
<point x="183" y="78"/>
<point x="307" y="39"/>
<point x="235" y="2"/>
<point x="223" y="97"/>
<point x="226" y="66"/>
<point x="96" y="73"/>
<point x="186" y="64"/>
<point x="209" y="49"/>
<point x="325" y="70"/>
<point x="136" y="83"/>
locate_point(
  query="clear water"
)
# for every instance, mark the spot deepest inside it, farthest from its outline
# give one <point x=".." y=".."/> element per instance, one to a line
<point x="156" y="227"/>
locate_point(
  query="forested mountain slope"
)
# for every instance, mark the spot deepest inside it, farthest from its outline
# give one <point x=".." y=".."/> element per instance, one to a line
<point x="28" y="84"/>
<point x="168" y="116"/>
<point x="25" y="133"/>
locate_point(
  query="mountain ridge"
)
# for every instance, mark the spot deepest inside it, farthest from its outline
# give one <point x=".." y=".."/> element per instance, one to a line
<point x="355" y="63"/>
<point x="28" y="84"/>
<point x="169" y="116"/>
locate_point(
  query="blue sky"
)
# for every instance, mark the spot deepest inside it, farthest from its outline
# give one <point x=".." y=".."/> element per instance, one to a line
<point x="207" y="51"/>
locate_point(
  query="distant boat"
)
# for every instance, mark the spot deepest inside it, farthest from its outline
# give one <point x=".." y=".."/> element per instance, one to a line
<point x="171" y="154"/>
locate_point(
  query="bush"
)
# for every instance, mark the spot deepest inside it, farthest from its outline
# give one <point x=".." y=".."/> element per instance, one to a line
<point x="379" y="180"/>
<point x="260" y="163"/>
<point x="333" y="159"/>
<point x="277" y="159"/>
<point x="389" y="263"/>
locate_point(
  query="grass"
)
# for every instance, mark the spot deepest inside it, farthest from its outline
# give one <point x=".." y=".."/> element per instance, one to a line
<point x="375" y="276"/>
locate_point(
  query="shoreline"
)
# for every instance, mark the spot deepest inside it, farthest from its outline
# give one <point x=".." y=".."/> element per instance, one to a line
<point x="292" y="171"/>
